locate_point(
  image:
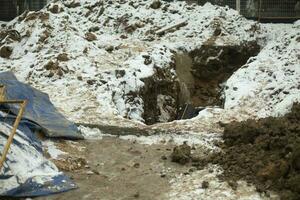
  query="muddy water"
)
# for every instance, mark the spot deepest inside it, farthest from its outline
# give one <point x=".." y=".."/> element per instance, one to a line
<point x="184" y="65"/>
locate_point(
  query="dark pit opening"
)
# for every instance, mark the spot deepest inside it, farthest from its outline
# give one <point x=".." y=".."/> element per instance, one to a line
<point x="201" y="75"/>
<point x="203" y="72"/>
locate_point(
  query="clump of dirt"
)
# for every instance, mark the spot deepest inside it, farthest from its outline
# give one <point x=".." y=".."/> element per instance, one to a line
<point x="181" y="154"/>
<point x="264" y="152"/>
<point x="5" y="51"/>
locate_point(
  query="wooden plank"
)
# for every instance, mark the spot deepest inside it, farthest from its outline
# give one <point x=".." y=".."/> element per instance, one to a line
<point x="2" y="92"/>
<point x="13" y="132"/>
<point x="168" y="28"/>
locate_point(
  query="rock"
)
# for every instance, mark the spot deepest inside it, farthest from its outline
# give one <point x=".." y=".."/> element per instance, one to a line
<point x="205" y="184"/>
<point x="148" y="60"/>
<point x="51" y="65"/>
<point x="136" y="165"/>
<point x="156" y="4"/>
<point x="120" y="73"/>
<point x="181" y="154"/>
<point x="6" y="51"/>
<point x="55" y="8"/>
<point x="164" y="157"/>
<point x="94" y="29"/>
<point x="109" y="48"/>
<point x="62" y="57"/>
<point x="91" y="82"/>
<point x="90" y="36"/>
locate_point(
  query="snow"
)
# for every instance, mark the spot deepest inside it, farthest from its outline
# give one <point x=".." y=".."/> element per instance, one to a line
<point x="50" y="147"/>
<point x="189" y="187"/>
<point x="95" y="85"/>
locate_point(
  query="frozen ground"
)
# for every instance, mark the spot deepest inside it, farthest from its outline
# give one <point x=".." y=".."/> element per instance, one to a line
<point x="91" y="57"/>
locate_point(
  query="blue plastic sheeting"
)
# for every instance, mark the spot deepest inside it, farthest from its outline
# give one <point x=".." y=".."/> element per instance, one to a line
<point x="39" y="110"/>
<point x="30" y="188"/>
<point x="26" y="173"/>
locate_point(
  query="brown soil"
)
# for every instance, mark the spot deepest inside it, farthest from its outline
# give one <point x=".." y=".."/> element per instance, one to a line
<point x="264" y="152"/>
<point x="119" y="169"/>
<point x="5" y="51"/>
<point x="181" y="154"/>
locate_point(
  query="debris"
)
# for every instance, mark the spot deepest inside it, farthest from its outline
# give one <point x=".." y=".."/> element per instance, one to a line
<point x="205" y="184"/>
<point x="6" y="51"/>
<point x="90" y="36"/>
<point x="63" y="57"/>
<point x="171" y="27"/>
<point x="156" y="4"/>
<point x="181" y="154"/>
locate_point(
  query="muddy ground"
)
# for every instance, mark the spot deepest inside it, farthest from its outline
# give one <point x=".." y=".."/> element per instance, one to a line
<point x="118" y="169"/>
<point x="265" y="153"/>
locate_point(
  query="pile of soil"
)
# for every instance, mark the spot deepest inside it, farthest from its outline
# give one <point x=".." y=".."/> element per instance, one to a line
<point x="264" y="152"/>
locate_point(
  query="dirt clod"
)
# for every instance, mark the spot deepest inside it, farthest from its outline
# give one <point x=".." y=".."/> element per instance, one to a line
<point x="205" y="184"/>
<point x="181" y="154"/>
<point x="5" y="51"/>
<point x="156" y="4"/>
<point x="63" y="57"/>
<point x="90" y="36"/>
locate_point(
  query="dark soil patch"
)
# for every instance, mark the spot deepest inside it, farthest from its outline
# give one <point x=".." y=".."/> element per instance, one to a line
<point x="264" y="152"/>
<point x="204" y="70"/>
<point x="181" y="154"/>
<point x="161" y="83"/>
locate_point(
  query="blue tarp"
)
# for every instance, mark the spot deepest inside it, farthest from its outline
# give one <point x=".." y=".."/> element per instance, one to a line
<point x="39" y="109"/>
<point x="25" y="165"/>
<point x="27" y="153"/>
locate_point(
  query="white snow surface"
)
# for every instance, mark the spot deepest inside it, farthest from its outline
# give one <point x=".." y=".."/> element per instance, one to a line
<point x="189" y="187"/>
<point x="53" y="151"/>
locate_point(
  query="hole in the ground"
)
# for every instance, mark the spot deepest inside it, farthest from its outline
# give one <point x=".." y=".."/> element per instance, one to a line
<point x="201" y="74"/>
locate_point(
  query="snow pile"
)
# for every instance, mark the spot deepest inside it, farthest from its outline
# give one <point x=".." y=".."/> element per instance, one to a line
<point x="270" y="82"/>
<point x="91" y="56"/>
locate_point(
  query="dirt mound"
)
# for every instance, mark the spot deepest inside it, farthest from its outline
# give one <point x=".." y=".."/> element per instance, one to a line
<point x="264" y="152"/>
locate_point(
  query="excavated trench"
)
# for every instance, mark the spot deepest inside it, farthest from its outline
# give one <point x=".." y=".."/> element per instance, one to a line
<point x="201" y="74"/>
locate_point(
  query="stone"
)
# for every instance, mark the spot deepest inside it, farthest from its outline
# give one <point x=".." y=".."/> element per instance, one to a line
<point x="6" y="51"/>
<point x="156" y="4"/>
<point x="90" y="36"/>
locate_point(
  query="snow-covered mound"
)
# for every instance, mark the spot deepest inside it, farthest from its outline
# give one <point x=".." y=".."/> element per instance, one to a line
<point x="94" y="57"/>
<point x="270" y="82"/>
<point x="91" y="56"/>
